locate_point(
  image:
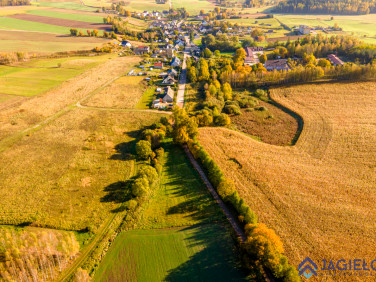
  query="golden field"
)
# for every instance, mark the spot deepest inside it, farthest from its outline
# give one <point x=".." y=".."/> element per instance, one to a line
<point x="318" y="195"/>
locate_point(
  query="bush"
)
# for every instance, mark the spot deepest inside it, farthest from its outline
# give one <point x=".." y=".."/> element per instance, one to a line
<point x="232" y="110"/>
<point x="159" y="153"/>
<point x="131" y="205"/>
<point x="225" y="189"/>
<point x="140" y="187"/>
<point x="261" y="109"/>
<point x="143" y="149"/>
<point x="222" y="120"/>
<point x="259" y="93"/>
<point x="248" y="103"/>
<point x="150" y="173"/>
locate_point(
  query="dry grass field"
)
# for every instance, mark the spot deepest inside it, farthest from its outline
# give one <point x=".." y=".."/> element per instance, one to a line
<point x="272" y="126"/>
<point x="124" y="93"/>
<point x="65" y="175"/>
<point x="14" y="118"/>
<point x="318" y="195"/>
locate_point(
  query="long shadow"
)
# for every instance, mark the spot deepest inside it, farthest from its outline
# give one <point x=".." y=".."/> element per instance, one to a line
<point x="120" y="191"/>
<point x="217" y="259"/>
<point x="185" y="183"/>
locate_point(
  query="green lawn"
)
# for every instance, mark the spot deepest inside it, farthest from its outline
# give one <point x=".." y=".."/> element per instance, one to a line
<point x="16" y="24"/>
<point x="197" y="253"/>
<point x="146" y="99"/>
<point x="66" y="16"/>
<point x="38" y="76"/>
<point x="67" y="5"/>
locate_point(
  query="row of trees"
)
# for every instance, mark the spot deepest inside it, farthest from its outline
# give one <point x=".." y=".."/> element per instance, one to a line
<point x="14" y="2"/>
<point x="263" y="247"/>
<point x="353" y="7"/>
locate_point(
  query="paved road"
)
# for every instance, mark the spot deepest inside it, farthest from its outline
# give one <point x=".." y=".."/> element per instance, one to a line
<point x="183" y="77"/>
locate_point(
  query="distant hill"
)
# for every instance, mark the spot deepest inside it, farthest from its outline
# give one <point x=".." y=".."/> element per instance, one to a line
<point x="339" y="7"/>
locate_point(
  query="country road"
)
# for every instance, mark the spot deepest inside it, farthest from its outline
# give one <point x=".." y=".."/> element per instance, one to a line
<point x="183" y="77"/>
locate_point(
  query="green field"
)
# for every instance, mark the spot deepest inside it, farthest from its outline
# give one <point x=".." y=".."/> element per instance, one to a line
<point x="67" y="16"/>
<point x="363" y="26"/>
<point x="38" y="76"/>
<point x="66" y="5"/>
<point x="146" y="99"/>
<point x="197" y="253"/>
<point x="182" y="235"/>
<point x="182" y="198"/>
<point x="16" y="24"/>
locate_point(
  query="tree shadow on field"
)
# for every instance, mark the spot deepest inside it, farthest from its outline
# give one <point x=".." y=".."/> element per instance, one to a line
<point x="118" y="192"/>
<point x="184" y="183"/>
<point x="216" y="259"/>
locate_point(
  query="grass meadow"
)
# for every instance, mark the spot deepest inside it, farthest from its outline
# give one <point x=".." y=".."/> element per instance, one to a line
<point x="66" y="5"/>
<point x="67" y="16"/>
<point x="197" y="253"/>
<point x="146" y="99"/>
<point x="180" y="236"/>
<point x="317" y="195"/>
<point x="38" y="76"/>
<point x="123" y="93"/>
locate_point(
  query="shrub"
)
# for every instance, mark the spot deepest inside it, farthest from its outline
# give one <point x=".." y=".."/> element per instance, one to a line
<point x="131" y="205"/>
<point x="150" y="173"/>
<point x="222" y="120"/>
<point x="259" y="93"/>
<point x="143" y="149"/>
<point x="261" y="109"/>
<point x="232" y="110"/>
<point x="159" y="153"/>
<point x="225" y="189"/>
<point x="140" y="187"/>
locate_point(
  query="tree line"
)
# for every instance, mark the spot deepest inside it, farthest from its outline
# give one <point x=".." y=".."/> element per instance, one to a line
<point x="341" y="7"/>
<point x="263" y="249"/>
<point x="14" y="2"/>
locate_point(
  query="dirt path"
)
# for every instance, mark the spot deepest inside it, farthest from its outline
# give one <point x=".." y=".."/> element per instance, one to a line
<point x="78" y="105"/>
<point x="238" y="230"/>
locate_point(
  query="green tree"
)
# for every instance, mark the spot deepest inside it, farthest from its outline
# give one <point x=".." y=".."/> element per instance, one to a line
<point x="140" y="187"/>
<point x="192" y="76"/>
<point x="207" y="53"/>
<point x="185" y="128"/>
<point x="217" y="53"/>
<point x="143" y="149"/>
<point x="227" y="91"/>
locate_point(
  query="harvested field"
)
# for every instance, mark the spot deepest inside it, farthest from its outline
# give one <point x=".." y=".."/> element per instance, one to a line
<point x="318" y="195"/>
<point x="70" y="170"/>
<point x="272" y="126"/>
<point x="61" y="22"/>
<point x="123" y="93"/>
<point x="32" y="111"/>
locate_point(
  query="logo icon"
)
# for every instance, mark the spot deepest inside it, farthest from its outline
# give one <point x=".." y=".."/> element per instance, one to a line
<point x="307" y="267"/>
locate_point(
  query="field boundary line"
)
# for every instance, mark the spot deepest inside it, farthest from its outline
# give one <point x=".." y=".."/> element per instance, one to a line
<point x="238" y="230"/>
<point x="78" y="104"/>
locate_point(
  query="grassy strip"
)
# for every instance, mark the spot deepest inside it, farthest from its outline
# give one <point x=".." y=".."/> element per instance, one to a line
<point x="146" y="99"/>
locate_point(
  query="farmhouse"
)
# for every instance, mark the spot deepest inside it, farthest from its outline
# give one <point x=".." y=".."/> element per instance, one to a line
<point x="335" y="60"/>
<point x="168" y="80"/>
<point x="141" y="50"/>
<point x="158" y="65"/>
<point x="169" y="95"/>
<point x="304" y="29"/>
<point x="175" y="62"/>
<point x="280" y="64"/>
<point x="253" y="55"/>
